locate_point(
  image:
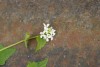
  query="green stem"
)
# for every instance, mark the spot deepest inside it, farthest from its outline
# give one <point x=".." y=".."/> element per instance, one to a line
<point x="12" y="45"/>
<point x="15" y="44"/>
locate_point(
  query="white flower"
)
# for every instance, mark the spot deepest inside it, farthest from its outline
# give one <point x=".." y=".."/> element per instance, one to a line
<point x="48" y="32"/>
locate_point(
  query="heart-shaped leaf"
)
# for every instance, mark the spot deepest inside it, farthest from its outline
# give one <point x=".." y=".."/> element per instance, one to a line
<point x="38" y="64"/>
<point x="6" y="54"/>
<point x="41" y="43"/>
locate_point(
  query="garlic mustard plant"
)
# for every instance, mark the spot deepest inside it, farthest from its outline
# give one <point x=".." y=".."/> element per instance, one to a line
<point x="46" y="35"/>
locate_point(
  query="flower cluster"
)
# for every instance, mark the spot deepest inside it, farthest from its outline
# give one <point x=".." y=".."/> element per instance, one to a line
<point x="48" y="32"/>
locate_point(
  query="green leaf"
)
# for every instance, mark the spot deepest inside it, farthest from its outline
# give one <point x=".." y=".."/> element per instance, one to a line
<point x="43" y="63"/>
<point x="41" y="43"/>
<point x="5" y="54"/>
<point x="27" y="36"/>
<point x="38" y="64"/>
<point x="32" y="64"/>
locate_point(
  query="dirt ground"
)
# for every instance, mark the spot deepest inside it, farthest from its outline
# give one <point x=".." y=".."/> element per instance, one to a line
<point x="77" y="24"/>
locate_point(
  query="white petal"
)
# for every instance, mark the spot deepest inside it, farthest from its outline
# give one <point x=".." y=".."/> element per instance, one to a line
<point x="48" y="25"/>
<point x="41" y="32"/>
<point x="47" y="39"/>
<point x="53" y="34"/>
<point x="44" y="24"/>
<point x="53" y="30"/>
<point x="45" y="29"/>
<point x="51" y="38"/>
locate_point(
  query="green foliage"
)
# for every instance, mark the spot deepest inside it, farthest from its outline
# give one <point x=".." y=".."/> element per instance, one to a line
<point x="5" y="54"/>
<point x="41" y="43"/>
<point x="38" y="64"/>
<point x="27" y="36"/>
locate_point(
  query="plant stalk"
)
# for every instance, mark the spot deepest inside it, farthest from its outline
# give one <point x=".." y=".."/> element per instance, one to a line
<point x="15" y="44"/>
